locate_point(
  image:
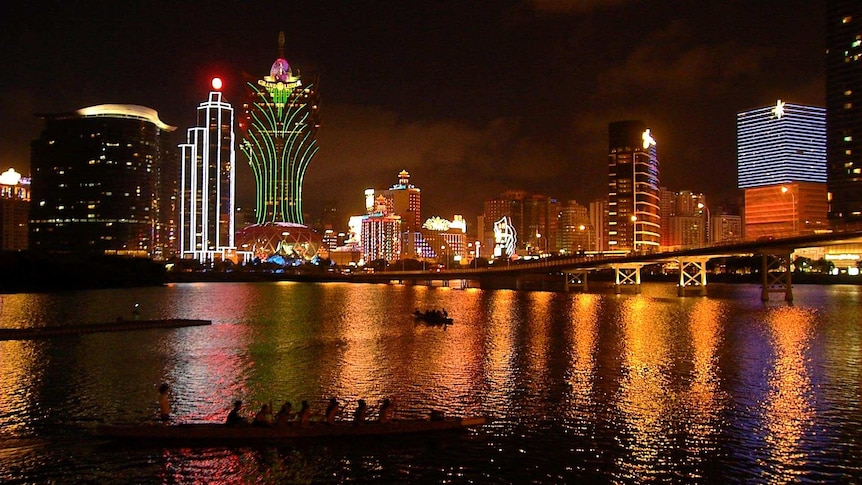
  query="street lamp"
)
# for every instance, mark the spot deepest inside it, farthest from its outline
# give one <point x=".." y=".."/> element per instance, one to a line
<point x="701" y="205"/>
<point x="445" y="262"/>
<point x="635" y="233"/>
<point x="784" y="190"/>
<point x="583" y="228"/>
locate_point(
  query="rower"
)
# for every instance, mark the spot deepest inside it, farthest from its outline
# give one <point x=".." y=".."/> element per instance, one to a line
<point x="332" y="411"/>
<point x="386" y="411"/>
<point x="359" y="414"/>
<point x="233" y="418"/>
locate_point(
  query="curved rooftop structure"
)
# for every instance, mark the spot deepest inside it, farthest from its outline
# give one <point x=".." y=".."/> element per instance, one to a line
<point x="132" y="111"/>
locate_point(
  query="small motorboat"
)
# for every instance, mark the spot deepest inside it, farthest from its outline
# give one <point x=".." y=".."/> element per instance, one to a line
<point x="433" y="317"/>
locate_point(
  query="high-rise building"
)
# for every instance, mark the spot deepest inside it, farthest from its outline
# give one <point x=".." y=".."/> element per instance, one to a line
<point x="279" y="128"/>
<point x="785" y="210"/>
<point x="633" y="188"/>
<point x="844" y="111"/>
<point x="105" y="181"/>
<point x="381" y="234"/>
<point x="14" y="210"/>
<point x="781" y="144"/>
<point x="575" y="232"/>
<point x="208" y="182"/>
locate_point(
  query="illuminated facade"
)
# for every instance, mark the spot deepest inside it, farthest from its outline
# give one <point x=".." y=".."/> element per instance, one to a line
<point x="14" y="210"/>
<point x="380" y="235"/>
<point x="105" y="181"/>
<point x="844" y="111"/>
<point x="780" y="144"/>
<point x="405" y="201"/>
<point x="633" y="188"/>
<point x="279" y="127"/>
<point x="575" y="233"/>
<point x="785" y="210"/>
<point x="208" y="182"/>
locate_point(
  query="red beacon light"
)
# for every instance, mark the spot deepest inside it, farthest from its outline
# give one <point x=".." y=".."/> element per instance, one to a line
<point x="216" y="83"/>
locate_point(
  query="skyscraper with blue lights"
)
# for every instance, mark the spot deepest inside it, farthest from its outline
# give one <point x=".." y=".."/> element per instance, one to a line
<point x="780" y="144"/>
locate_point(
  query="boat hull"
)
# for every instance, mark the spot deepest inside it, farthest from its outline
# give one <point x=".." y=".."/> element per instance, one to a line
<point x="223" y="434"/>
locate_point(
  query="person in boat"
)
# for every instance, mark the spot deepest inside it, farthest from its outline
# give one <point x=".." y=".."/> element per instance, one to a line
<point x="359" y="413"/>
<point x="284" y="415"/>
<point x="263" y="416"/>
<point x="386" y="411"/>
<point x="304" y="414"/>
<point x="233" y="417"/>
<point x="445" y="313"/>
<point x="333" y="410"/>
<point x="164" y="402"/>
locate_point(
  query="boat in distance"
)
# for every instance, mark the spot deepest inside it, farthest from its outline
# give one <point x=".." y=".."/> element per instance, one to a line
<point x="433" y="317"/>
<point x="216" y="433"/>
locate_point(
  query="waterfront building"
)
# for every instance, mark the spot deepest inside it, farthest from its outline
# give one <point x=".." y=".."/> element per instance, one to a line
<point x="279" y="126"/>
<point x="785" y="210"/>
<point x="600" y="220"/>
<point x="844" y="111"/>
<point x="381" y="234"/>
<point x="780" y="144"/>
<point x="684" y="219"/>
<point x="105" y="181"/>
<point x="402" y="199"/>
<point x="533" y="217"/>
<point x="575" y="231"/>
<point x="725" y="228"/>
<point x="445" y="240"/>
<point x="208" y="182"/>
<point x="633" y="188"/>
<point x="14" y="210"/>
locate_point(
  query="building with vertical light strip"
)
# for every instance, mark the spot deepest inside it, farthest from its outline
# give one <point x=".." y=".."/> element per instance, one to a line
<point x="208" y="182"/>
<point x="844" y="112"/>
<point x="279" y="127"/>
<point x="780" y="144"/>
<point x="633" y="188"/>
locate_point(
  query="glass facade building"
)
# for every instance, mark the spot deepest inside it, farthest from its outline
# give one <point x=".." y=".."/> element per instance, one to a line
<point x="844" y="111"/>
<point x="780" y="144"/>
<point x="208" y="183"/>
<point x="105" y="181"/>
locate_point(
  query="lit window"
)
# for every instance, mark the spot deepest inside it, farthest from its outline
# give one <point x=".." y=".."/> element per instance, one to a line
<point x="848" y="152"/>
<point x="848" y="138"/>
<point x="847" y="19"/>
<point x="848" y="92"/>
<point x="848" y="105"/>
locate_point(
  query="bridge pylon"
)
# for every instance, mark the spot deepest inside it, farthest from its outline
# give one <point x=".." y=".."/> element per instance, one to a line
<point x="576" y="279"/>
<point x="692" y="275"/>
<point x="627" y="275"/>
<point x="777" y="274"/>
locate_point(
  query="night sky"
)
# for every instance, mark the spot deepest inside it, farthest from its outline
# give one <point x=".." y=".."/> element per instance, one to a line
<point x="471" y="97"/>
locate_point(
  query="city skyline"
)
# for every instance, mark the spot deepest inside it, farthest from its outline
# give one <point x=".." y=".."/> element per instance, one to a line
<point x="471" y="100"/>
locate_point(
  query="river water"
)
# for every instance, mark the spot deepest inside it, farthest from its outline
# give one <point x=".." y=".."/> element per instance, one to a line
<point x="582" y="387"/>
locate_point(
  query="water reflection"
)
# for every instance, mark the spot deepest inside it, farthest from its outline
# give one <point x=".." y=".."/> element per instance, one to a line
<point x="788" y="412"/>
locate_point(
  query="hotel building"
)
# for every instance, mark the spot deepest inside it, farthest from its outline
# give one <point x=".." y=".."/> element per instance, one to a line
<point x="844" y="111"/>
<point x="104" y="181"/>
<point x="208" y="182"/>
<point x="781" y="154"/>
<point x="279" y="126"/>
<point x="633" y="188"/>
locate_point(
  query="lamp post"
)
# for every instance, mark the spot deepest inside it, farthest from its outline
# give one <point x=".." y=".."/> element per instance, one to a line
<point x="701" y="205"/>
<point x="445" y="262"/>
<point x="476" y="256"/>
<point x="635" y="233"/>
<point x="584" y="228"/>
<point x="784" y="190"/>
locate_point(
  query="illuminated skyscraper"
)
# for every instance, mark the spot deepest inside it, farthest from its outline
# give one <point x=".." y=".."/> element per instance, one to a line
<point x="633" y="188"/>
<point x="780" y="144"/>
<point x="279" y="127"/>
<point x="104" y="181"/>
<point x="844" y="111"/>
<point x="208" y="182"/>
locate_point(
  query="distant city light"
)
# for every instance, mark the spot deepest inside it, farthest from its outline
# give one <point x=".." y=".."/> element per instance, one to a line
<point x="10" y="177"/>
<point x="778" y="110"/>
<point x="648" y="139"/>
<point x="216" y="83"/>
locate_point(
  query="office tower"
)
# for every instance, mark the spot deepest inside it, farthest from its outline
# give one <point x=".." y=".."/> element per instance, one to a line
<point x="685" y="223"/>
<point x="725" y="228"/>
<point x="781" y="144"/>
<point x="208" y="182"/>
<point x="633" y="188"/>
<point x="406" y="201"/>
<point x="14" y="210"/>
<point x="104" y="181"/>
<point x="600" y="220"/>
<point x="844" y="111"/>
<point x="279" y="128"/>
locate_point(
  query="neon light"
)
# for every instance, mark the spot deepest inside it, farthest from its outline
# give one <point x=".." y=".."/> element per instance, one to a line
<point x="10" y="177"/>
<point x="216" y="84"/>
<point x="648" y="139"/>
<point x="505" y="237"/>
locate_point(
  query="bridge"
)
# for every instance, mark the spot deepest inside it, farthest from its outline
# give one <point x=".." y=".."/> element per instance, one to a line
<point x="775" y="254"/>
